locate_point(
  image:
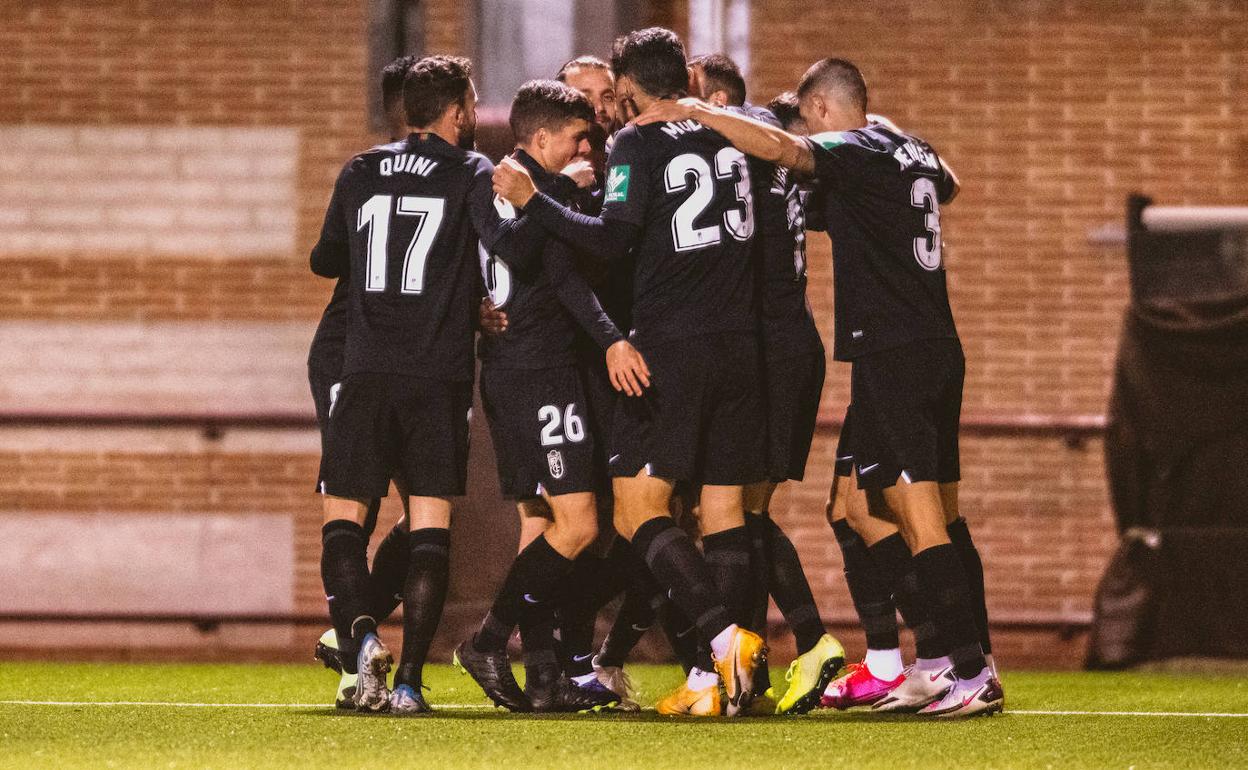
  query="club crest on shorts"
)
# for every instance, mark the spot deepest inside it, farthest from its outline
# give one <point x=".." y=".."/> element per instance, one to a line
<point x="554" y="458"/>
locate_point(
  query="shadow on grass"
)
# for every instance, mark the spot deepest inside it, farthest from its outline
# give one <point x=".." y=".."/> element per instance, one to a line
<point x="821" y="720"/>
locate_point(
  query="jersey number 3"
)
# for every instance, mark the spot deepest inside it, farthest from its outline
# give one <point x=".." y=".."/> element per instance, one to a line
<point x="740" y="224"/>
<point x="927" y="247"/>
<point x="375" y="215"/>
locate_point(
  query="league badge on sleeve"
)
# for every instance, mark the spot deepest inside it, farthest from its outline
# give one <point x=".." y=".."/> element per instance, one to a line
<point x="617" y="184"/>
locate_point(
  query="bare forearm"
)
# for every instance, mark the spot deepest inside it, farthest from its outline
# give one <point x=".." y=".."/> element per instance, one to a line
<point x="755" y="138"/>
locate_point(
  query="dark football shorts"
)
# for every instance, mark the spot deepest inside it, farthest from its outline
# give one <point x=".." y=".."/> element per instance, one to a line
<point x="602" y="404"/>
<point x="411" y="429"/>
<point x="701" y="419"/>
<point x="907" y="403"/>
<point x="540" y="424"/>
<point x="794" y="387"/>
<point x="323" y="382"/>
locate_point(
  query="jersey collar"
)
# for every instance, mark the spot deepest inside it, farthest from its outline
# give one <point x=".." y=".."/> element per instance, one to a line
<point x="536" y="170"/>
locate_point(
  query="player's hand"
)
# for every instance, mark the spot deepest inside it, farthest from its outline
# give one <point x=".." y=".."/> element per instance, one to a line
<point x="880" y="120"/>
<point x="668" y="111"/>
<point x="492" y="320"/>
<point x="580" y="171"/>
<point x="512" y="182"/>
<point x="628" y="370"/>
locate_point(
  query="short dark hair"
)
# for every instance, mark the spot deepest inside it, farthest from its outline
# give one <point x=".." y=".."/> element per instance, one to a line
<point x="585" y="62"/>
<point x="721" y="73"/>
<point x="547" y="104"/>
<point x="392" y="76"/>
<point x="785" y="108"/>
<point x="433" y="84"/>
<point x="837" y="75"/>
<point x="654" y="59"/>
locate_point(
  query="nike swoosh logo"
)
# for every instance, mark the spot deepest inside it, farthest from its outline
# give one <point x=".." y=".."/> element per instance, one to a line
<point x="683" y="634"/>
<point x="934" y="677"/>
<point x="640" y="628"/>
<point x="967" y="700"/>
<point x="613" y="458"/>
<point x="869" y="468"/>
<point x="529" y="598"/>
<point x="580" y="658"/>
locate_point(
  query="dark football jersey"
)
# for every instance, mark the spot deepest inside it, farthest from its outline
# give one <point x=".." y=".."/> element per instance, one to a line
<point x="325" y="354"/>
<point x="612" y="281"/>
<point x="881" y="193"/>
<point x="690" y="193"/>
<point x="406" y="218"/>
<point x="543" y="313"/>
<point x="788" y="327"/>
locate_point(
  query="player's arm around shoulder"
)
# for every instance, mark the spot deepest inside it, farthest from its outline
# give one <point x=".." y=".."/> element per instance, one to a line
<point x="753" y="137"/>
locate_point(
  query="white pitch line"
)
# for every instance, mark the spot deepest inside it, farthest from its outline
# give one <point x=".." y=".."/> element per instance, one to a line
<point x="484" y="707"/>
<point x="1125" y="713"/>
<point x="181" y="704"/>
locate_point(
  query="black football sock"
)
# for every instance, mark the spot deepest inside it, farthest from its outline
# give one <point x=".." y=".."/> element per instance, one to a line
<point x="537" y="639"/>
<point x="892" y="556"/>
<point x="680" y="569"/>
<point x="594" y="581"/>
<point x="960" y="536"/>
<point x="370" y="517"/>
<point x="869" y="588"/>
<point x="789" y="587"/>
<point x="760" y="571"/>
<point x="943" y="582"/>
<point x="642" y="600"/>
<point x="728" y="555"/>
<point x="636" y="616"/>
<point x="534" y="578"/>
<point x="389" y="574"/>
<point x="424" y="594"/>
<point x="680" y="631"/>
<point x="344" y="572"/>
<point x="704" y="660"/>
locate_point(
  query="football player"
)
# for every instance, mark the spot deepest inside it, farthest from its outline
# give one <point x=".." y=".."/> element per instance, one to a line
<point x="389" y="569"/>
<point x="534" y="398"/>
<point x="404" y="223"/>
<point x="681" y="198"/>
<point x="881" y="192"/>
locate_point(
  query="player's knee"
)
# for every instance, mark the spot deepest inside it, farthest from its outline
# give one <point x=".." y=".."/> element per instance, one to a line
<point x="580" y="533"/>
<point x="344" y="509"/>
<point x="860" y="515"/>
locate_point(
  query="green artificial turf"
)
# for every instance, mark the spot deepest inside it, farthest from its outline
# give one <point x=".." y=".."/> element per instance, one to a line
<point x="294" y="734"/>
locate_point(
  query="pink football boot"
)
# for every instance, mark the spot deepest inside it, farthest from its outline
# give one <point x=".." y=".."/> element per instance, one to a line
<point x="857" y="687"/>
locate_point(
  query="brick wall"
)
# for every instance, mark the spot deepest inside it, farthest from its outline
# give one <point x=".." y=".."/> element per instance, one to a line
<point x="1051" y="113"/>
<point x="298" y="70"/>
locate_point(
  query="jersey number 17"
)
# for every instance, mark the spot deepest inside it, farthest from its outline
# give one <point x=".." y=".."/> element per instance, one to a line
<point x="375" y="215"/>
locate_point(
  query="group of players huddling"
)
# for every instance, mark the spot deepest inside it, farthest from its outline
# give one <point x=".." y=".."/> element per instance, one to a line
<point x="650" y="371"/>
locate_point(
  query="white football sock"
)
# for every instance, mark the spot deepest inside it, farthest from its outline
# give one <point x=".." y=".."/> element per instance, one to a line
<point x="700" y="680"/>
<point x="722" y="641"/>
<point x="585" y="678"/>
<point x="884" y="664"/>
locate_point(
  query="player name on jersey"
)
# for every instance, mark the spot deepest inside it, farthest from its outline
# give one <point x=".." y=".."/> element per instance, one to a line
<point x="407" y="164"/>
<point x="913" y="154"/>
<point x="674" y="130"/>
